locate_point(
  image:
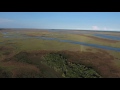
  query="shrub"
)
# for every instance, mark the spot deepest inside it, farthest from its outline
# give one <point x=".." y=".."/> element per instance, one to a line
<point x="4" y="73"/>
<point x="68" y="69"/>
<point x="22" y="57"/>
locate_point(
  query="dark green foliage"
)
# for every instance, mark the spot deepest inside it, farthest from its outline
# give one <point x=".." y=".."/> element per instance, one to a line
<point x="68" y="69"/>
<point x="22" y="57"/>
<point x="80" y="71"/>
<point x="4" y="73"/>
<point x="26" y="57"/>
<point x="55" y="61"/>
<point x="6" y="53"/>
<point x="54" y="64"/>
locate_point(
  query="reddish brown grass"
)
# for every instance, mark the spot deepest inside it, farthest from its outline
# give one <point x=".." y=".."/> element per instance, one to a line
<point x="101" y="61"/>
<point x="19" y="67"/>
<point x="101" y="39"/>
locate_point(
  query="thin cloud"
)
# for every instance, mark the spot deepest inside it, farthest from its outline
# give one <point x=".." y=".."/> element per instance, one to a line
<point x="95" y="28"/>
<point x="4" y="20"/>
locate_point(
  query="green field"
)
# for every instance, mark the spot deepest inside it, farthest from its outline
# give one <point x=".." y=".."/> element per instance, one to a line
<point x="22" y="55"/>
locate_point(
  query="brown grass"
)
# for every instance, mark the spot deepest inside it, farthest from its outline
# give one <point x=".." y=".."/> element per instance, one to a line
<point x="19" y="68"/>
<point x="4" y="48"/>
<point x="101" y="61"/>
<point x="101" y="39"/>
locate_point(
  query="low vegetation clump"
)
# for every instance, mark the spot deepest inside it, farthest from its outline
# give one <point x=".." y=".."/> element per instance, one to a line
<point x="66" y="64"/>
<point x="68" y="69"/>
<point x="22" y="57"/>
<point x="5" y="73"/>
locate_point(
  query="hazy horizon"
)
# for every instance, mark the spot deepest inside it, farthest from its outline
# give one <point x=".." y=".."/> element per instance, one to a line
<point x="104" y="21"/>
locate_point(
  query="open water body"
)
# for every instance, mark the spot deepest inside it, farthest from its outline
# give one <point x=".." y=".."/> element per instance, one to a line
<point x="71" y="41"/>
<point x="107" y="36"/>
<point x="83" y="43"/>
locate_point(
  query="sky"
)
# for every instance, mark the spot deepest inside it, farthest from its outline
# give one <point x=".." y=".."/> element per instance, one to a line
<point x="61" y="20"/>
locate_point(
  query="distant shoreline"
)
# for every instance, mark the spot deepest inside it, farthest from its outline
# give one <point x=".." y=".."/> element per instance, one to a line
<point x="57" y="29"/>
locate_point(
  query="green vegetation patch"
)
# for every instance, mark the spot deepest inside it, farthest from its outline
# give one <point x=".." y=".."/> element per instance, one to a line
<point x="68" y="69"/>
<point x="88" y="39"/>
<point x="35" y="60"/>
<point x="22" y="57"/>
<point x="38" y="44"/>
<point x="80" y="71"/>
<point x="5" y="73"/>
<point x="56" y="62"/>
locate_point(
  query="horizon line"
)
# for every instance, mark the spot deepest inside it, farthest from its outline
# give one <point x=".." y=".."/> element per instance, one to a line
<point x="60" y="29"/>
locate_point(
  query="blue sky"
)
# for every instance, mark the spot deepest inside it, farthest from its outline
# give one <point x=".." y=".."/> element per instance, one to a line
<point x="61" y="20"/>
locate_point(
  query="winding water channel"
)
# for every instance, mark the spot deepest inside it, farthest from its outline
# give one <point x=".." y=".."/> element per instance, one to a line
<point x="71" y="41"/>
